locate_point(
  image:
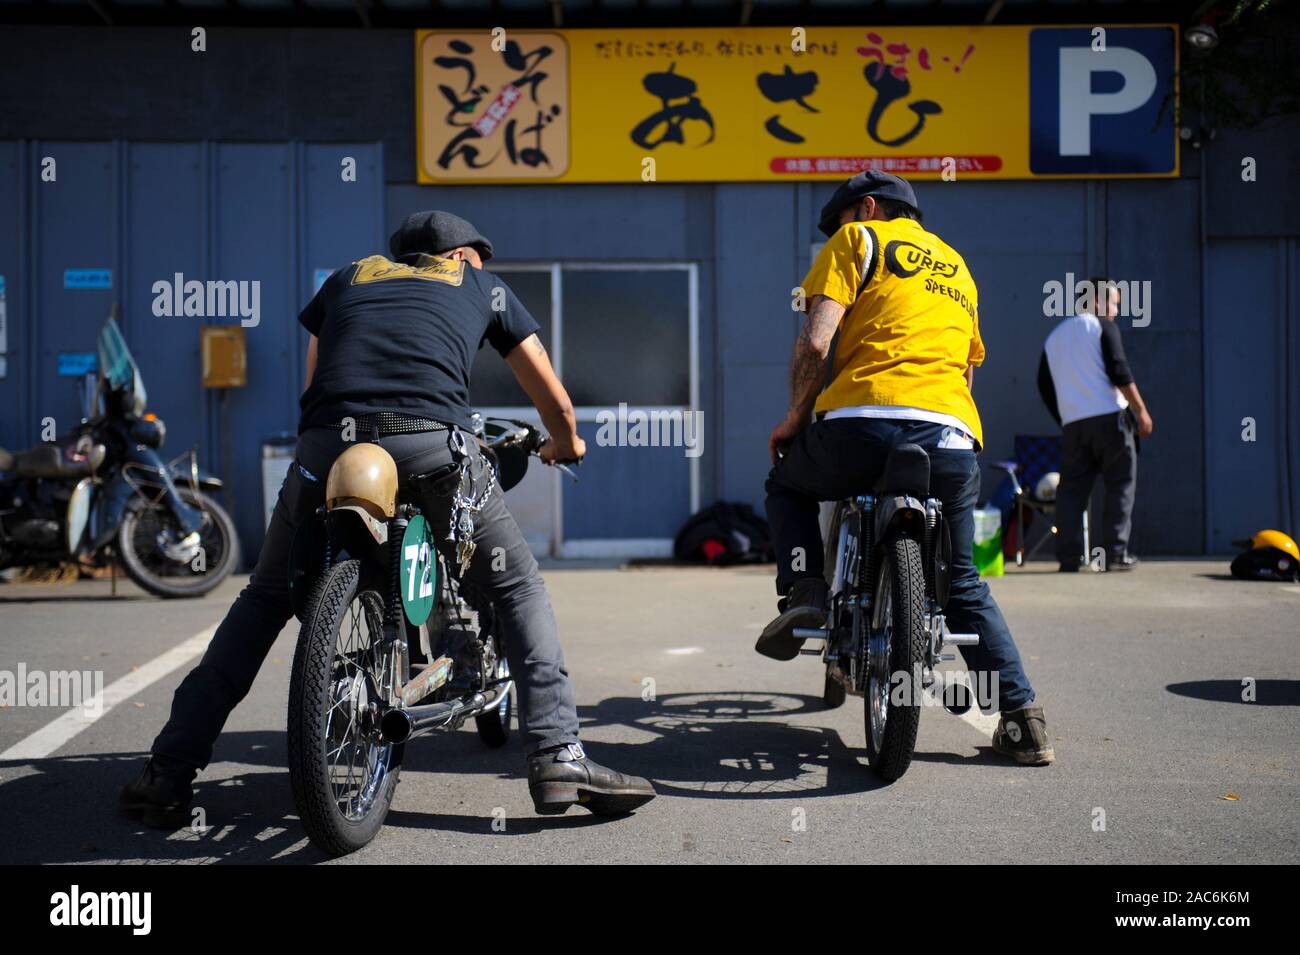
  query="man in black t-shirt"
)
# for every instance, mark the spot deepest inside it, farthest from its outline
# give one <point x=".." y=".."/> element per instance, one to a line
<point x="392" y="343"/>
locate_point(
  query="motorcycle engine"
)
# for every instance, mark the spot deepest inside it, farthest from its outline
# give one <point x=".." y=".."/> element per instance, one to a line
<point x="37" y="535"/>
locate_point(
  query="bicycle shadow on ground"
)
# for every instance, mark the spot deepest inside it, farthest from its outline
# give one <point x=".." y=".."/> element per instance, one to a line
<point x="728" y="744"/>
<point x="64" y="809"/>
<point x="710" y="745"/>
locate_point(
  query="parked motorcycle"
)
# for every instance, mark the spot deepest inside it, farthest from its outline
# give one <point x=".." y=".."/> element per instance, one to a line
<point x="103" y="492"/>
<point x="888" y="556"/>
<point x="393" y="643"/>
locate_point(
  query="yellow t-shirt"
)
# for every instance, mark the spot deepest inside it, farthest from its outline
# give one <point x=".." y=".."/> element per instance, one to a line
<point x="911" y="322"/>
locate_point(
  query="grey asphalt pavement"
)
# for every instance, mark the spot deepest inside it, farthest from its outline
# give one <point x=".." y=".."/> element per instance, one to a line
<point x="1158" y="758"/>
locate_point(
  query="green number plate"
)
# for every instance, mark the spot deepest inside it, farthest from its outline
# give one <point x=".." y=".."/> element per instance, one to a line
<point x="419" y="571"/>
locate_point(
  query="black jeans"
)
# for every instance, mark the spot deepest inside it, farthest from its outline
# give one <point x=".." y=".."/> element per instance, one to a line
<point x="842" y="457"/>
<point x="1104" y="445"/>
<point x="502" y="565"/>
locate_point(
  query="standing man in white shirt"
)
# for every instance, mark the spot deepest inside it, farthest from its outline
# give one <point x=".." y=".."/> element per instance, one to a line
<point x="1085" y="381"/>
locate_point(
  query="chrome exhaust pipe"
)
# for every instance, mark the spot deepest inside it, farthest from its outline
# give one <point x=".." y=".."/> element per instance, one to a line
<point x="957" y="697"/>
<point x="404" y="725"/>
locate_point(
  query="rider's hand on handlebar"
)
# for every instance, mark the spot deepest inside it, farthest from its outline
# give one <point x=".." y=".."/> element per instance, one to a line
<point x="565" y="453"/>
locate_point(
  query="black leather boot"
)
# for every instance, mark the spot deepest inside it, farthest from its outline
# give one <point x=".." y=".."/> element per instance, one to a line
<point x="804" y="607"/>
<point x="161" y="794"/>
<point x="563" y="777"/>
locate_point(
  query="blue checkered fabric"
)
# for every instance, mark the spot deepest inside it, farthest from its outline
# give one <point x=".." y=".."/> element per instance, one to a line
<point x="1036" y="454"/>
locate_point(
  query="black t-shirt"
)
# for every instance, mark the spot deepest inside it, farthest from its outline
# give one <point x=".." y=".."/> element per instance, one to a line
<point x="401" y="336"/>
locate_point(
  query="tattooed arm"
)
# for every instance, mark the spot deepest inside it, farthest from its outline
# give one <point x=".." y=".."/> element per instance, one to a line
<point x="532" y="368"/>
<point x="807" y="369"/>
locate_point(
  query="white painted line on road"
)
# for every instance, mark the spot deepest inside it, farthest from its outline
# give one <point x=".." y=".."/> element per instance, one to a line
<point x="972" y="717"/>
<point x="683" y="651"/>
<point x="984" y="723"/>
<point x="53" y="735"/>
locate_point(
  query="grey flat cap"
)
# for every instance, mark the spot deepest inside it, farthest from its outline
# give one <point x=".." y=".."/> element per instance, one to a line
<point x="434" y="232"/>
<point x="882" y="185"/>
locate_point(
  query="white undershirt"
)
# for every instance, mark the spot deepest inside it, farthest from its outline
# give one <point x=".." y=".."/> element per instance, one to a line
<point x="961" y="438"/>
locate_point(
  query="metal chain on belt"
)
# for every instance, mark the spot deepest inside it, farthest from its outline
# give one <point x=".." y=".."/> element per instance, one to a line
<point x="468" y="501"/>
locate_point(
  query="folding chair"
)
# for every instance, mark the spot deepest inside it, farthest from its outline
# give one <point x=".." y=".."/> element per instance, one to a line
<point x="1035" y="456"/>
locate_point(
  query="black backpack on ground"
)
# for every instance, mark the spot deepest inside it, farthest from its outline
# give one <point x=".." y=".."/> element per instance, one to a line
<point x="724" y="533"/>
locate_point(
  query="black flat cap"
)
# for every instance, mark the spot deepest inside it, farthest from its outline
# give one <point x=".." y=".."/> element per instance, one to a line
<point x="435" y="232"/>
<point x="881" y="185"/>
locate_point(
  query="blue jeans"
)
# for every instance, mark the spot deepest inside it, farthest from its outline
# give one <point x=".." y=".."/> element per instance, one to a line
<point x="839" y="458"/>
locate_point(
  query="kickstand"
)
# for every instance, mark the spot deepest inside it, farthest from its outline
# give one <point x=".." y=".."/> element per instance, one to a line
<point x="112" y="574"/>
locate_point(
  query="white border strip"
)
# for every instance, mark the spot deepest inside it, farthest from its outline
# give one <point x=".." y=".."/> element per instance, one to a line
<point x="617" y="548"/>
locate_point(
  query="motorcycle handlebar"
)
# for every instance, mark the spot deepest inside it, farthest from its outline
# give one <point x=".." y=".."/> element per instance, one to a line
<point x="531" y="440"/>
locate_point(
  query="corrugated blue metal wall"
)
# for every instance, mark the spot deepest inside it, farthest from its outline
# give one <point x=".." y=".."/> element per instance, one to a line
<point x="1219" y="249"/>
<point x="279" y="212"/>
<point x="271" y="213"/>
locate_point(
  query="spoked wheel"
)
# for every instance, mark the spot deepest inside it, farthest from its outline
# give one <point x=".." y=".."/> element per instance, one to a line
<point x="895" y="658"/>
<point x="343" y="774"/>
<point x="162" y="560"/>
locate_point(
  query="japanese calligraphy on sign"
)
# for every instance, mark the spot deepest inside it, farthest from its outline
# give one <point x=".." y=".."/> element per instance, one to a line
<point x="493" y="107"/>
<point x="726" y="104"/>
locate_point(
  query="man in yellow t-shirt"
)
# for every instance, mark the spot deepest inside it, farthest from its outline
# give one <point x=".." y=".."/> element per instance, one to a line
<point x="906" y="311"/>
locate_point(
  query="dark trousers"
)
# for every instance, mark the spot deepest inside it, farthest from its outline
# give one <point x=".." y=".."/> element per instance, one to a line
<point x="1104" y="445"/>
<point x="502" y="566"/>
<point x="843" y="457"/>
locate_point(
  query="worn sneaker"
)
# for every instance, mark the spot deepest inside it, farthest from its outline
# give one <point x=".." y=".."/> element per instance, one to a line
<point x="804" y="607"/>
<point x="1022" y="735"/>
<point x="563" y="776"/>
<point x="161" y="794"/>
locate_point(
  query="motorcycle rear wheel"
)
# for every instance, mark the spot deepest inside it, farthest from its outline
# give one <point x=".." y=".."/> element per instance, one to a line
<point x="898" y="647"/>
<point x="342" y="773"/>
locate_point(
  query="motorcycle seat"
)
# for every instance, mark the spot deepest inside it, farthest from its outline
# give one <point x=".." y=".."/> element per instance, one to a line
<point x="49" y="461"/>
<point x="907" y="471"/>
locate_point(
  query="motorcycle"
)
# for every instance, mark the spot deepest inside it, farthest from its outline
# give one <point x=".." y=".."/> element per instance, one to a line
<point x="393" y="645"/>
<point x="103" y="492"/>
<point x="888" y="558"/>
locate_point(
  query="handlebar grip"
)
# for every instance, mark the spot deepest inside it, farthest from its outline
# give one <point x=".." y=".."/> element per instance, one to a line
<point x="534" y="441"/>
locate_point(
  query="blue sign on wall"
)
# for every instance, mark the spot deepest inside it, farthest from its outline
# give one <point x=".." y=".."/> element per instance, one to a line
<point x="74" y="364"/>
<point x="87" y="278"/>
<point x="1108" y="110"/>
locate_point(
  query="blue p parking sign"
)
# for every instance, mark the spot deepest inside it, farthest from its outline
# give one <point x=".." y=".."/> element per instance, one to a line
<point x="1102" y="111"/>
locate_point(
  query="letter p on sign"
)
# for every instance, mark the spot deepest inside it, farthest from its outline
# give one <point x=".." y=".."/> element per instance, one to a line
<point x="1102" y="111"/>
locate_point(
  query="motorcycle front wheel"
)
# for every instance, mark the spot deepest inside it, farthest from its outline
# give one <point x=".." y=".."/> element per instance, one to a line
<point x="342" y="773"/>
<point x="155" y="557"/>
<point x="896" y="656"/>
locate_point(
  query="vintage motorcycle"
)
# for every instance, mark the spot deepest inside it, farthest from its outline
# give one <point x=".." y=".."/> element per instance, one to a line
<point x="888" y="556"/>
<point x="103" y="492"/>
<point x="393" y="643"/>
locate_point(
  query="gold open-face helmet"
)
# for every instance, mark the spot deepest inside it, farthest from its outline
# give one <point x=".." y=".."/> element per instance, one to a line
<point x="365" y="476"/>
